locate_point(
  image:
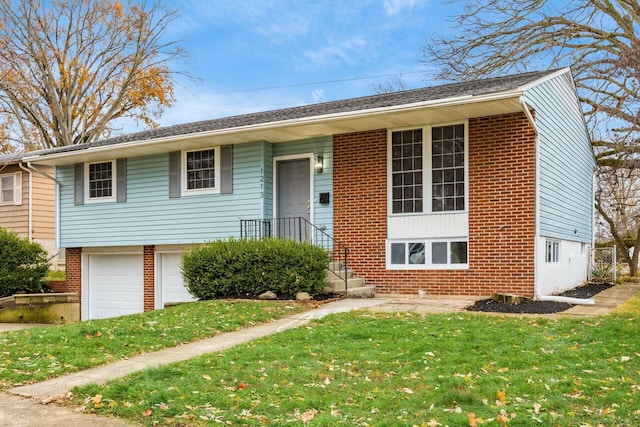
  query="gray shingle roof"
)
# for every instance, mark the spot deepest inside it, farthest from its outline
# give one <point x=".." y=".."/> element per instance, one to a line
<point x="431" y="93"/>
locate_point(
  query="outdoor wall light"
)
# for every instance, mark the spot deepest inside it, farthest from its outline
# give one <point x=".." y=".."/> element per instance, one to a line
<point x="319" y="164"/>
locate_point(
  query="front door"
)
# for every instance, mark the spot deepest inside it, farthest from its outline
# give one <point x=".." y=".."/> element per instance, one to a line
<point x="293" y="198"/>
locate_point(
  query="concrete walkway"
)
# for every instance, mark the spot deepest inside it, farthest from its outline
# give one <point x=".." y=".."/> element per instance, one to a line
<point x="23" y="408"/>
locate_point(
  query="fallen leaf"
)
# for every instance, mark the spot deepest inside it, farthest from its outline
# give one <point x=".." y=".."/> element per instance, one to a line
<point x="206" y="377"/>
<point x="242" y="386"/>
<point x="96" y="399"/>
<point x="48" y="399"/>
<point x="433" y="423"/>
<point x="500" y="398"/>
<point x="147" y="413"/>
<point x="472" y="419"/>
<point x="502" y="417"/>
<point x="537" y="407"/>
<point x="407" y="390"/>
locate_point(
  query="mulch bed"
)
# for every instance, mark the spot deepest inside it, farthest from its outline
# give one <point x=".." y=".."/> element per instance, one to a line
<point x="540" y="307"/>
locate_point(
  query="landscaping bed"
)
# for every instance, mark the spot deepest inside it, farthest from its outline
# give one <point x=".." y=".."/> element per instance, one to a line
<point x="540" y="307"/>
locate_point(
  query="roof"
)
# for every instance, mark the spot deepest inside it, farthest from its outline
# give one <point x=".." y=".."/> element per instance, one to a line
<point x="333" y="110"/>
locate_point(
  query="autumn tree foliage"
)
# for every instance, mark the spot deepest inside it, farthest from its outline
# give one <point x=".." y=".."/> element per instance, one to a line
<point x="599" y="40"/>
<point x="70" y="68"/>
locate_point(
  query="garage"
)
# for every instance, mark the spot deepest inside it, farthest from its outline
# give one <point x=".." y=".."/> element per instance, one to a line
<point x="170" y="287"/>
<point x="113" y="285"/>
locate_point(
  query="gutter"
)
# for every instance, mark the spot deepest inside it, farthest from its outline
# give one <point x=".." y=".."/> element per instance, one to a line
<point x="553" y="298"/>
<point x="30" y="208"/>
<point x="569" y="300"/>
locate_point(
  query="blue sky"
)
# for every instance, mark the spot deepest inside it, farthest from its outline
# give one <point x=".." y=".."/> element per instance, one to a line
<point x="303" y="51"/>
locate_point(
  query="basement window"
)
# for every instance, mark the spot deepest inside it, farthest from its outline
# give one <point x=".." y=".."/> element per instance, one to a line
<point x="552" y="252"/>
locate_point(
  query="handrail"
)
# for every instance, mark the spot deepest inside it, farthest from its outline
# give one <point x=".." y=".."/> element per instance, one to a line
<point x="300" y="230"/>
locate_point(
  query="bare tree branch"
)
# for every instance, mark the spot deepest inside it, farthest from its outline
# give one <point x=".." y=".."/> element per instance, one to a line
<point x="68" y="69"/>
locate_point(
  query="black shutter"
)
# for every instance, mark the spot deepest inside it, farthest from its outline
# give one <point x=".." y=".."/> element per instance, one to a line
<point x="226" y="169"/>
<point x="174" y="174"/>
<point x="78" y="184"/>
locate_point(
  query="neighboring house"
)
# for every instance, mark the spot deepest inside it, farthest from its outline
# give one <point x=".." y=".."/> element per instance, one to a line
<point x="27" y="203"/>
<point x="471" y="188"/>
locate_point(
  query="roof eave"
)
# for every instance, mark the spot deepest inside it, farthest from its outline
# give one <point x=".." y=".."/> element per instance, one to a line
<point x="109" y="151"/>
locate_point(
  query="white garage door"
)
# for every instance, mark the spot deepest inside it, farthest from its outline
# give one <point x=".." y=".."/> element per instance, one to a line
<point x="172" y="286"/>
<point x="115" y="285"/>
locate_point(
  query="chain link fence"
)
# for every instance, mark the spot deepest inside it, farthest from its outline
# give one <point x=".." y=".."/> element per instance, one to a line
<point x="603" y="265"/>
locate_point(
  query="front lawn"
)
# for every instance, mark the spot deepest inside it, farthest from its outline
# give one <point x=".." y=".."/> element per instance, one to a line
<point x="381" y="369"/>
<point x="37" y="354"/>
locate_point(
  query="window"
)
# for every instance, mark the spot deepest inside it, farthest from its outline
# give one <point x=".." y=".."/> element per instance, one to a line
<point x="552" y="251"/>
<point x="7" y="182"/>
<point x="428" y="254"/>
<point x="447" y="168"/>
<point x="440" y="163"/>
<point x="101" y="181"/>
<point x="406" y="171"/>
<point x="11" y="188"/>
<point x="201" y="171"/>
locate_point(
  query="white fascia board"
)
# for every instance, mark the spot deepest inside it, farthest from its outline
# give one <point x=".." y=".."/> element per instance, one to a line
<point x="548" y="77"/>
<point x="446" y="102"/>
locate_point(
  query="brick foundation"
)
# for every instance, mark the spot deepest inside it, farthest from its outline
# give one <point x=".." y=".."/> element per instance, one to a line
<point x="501" y="211"/>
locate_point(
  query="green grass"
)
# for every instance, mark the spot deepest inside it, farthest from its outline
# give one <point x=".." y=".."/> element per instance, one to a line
<point x="37" y="354"/>
<point x="55" y="275"/>
<point x="365" y="369"/>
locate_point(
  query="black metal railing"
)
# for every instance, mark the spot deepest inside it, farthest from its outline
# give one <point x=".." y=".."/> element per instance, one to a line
<point x="300" y="230"/>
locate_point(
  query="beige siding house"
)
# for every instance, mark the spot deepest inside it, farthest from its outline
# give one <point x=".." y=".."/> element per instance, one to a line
<point x="27" y="204"/>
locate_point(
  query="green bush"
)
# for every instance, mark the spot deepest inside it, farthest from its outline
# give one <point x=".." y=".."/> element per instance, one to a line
<point x="23" y="264"/>
<point x="247" y="268"/>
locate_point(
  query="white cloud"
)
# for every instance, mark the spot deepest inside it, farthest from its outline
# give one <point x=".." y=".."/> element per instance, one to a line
<point x="348" y="51"/>
<point x="318" y="95"/>
<point x="393" y="7"/>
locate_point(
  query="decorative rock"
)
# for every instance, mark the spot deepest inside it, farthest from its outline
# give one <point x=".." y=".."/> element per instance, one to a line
<point x="327" y="290"/>
<point x="303" y="296"/>
<point x="268" y="295"/>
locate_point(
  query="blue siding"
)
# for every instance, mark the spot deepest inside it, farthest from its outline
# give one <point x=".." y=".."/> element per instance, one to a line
<point x="566" y="162"/>
<point x="149" y="216"/>
<point x="323" y="182"/>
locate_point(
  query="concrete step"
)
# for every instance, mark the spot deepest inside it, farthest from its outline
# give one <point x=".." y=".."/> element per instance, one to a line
<point x="337" y="284"/>
<point x="340" y="274"/>
<point x="359" y="292"/>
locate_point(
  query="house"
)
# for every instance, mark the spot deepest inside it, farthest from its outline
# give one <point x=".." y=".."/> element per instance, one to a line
<point x="469" y="188"/>
<point x="27" y="203"/>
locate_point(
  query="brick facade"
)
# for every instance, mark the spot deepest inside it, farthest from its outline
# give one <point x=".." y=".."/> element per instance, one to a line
<point x="73" y="268"/>
<point x="149" y="277"/>
<point x="501" y="211"/>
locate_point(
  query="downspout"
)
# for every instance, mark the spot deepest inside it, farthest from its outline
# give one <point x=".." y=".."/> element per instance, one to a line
<point x="30" y="208"/>
<point x="58" y="184"/>
<point x="553" y="298"/>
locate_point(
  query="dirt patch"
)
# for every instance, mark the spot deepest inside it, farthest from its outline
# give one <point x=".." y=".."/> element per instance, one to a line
<point x="540" y="307"/>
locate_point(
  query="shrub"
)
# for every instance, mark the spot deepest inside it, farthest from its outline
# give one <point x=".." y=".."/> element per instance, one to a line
<point x="23" y="264"/>
<point x="247" y="268"/>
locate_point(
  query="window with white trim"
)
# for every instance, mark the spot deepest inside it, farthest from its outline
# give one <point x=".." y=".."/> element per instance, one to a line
<point x="201" y="171"/>
<point x="101" y="181"/>
<point x="440" y="163"/>
<point x="447" y="168"/>
<point x="10" y="186"/>
<point x="425" y="254"/>
<point x="552" y="251"/>
<point x="406" y="171"/>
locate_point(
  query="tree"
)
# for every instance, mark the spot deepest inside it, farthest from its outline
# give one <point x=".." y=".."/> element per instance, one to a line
<point x="69" y="68"/>
<point x="591" y="36"/>
<point x="395" y="85"/>
<point x="599" y="40"/>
